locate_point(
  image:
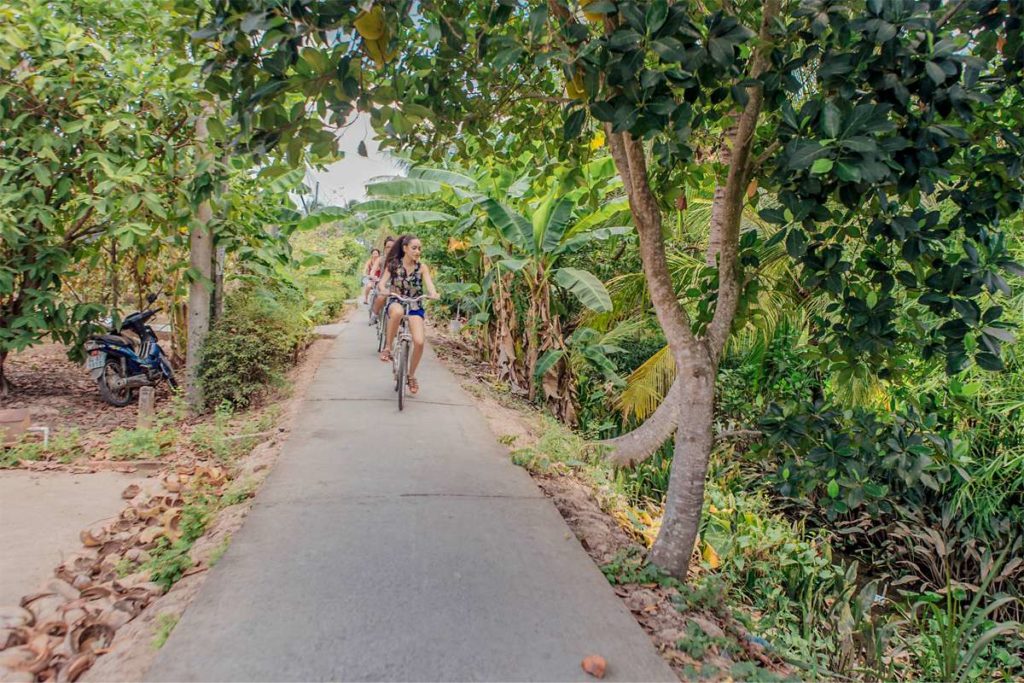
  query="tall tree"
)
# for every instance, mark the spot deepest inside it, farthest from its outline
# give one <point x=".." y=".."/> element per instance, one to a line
<point x="88" y="134"/>
<point x="856" y="117"/>
<point x="201" y="258"/>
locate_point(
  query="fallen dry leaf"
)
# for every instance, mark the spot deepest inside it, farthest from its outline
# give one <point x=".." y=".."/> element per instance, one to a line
<point x="594" y="665"/>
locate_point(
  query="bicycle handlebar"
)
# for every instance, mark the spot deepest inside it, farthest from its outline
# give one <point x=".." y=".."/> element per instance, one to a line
<point x="407" y="300"/>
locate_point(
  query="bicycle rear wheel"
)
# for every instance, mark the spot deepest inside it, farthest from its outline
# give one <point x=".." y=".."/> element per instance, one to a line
<point x="403" y="371"/>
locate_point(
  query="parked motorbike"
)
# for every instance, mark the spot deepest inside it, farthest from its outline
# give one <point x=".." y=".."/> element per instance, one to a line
<point x="121" y="365"/>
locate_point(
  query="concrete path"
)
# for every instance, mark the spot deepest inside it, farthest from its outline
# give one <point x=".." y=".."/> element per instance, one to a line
<point x="401" y="546"/>
<point x="41" y="515"/>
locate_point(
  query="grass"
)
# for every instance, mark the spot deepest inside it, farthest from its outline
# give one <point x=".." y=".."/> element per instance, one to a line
<point x="65" y="446"/>
<point x="146" y="443"/>
<point x="165" y="624"/>
<point x="219" y="551"/>
<point x="228" y="437"/>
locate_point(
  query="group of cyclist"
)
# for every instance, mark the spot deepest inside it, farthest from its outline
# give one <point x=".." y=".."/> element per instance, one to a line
<point x="399" y="280"/>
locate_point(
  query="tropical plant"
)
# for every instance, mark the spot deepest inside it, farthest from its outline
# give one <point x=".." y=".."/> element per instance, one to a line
<point x="533" y="248"/>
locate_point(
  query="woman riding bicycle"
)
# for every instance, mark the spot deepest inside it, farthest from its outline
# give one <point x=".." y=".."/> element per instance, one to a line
<point x="371" y="273"/>
<point x="379" y="298"/>
<point x="406" y="276"/>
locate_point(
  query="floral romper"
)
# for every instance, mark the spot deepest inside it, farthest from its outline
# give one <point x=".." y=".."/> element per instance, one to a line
<point x="408" y="285"/>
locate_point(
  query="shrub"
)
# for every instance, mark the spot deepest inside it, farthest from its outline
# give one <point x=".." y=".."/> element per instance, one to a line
<point x="328" y="305"/>
<point x="252" y="344"/>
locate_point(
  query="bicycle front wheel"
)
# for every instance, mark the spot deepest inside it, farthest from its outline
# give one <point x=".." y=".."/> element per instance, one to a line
<point x="403" y="372"/>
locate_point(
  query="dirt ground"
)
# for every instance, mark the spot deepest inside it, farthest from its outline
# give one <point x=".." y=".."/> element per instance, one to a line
<point x="61" y="394"/>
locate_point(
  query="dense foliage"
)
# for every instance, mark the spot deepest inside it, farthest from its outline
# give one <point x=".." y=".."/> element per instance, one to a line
<point x="252" y="344"/>
<point x="775" y="242"/>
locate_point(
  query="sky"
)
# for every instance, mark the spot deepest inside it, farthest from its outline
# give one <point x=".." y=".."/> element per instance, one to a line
<point x="345" y="180"/>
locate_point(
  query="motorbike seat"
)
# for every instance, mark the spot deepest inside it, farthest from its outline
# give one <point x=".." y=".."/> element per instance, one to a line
<point x="117" y="339"/>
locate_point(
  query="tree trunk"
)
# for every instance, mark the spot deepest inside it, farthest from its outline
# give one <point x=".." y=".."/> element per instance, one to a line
<point x="532" y="344"/>
<point x="639" y="444"/>
<point x="218" y="282"/>
<point x="685" y="500"/>
<point x="5" y="385"/>
<point x="115" y="288"/>
<point x="505" y="329"/>
<point x="201" y="258"/>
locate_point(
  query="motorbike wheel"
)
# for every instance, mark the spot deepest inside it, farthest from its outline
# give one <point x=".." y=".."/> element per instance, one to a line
<point x="115" y="397"/>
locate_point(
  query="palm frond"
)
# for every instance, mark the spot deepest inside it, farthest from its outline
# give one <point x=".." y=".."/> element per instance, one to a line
<point x="646" y="386"/>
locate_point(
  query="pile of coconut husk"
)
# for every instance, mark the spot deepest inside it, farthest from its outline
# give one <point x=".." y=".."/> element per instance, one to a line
<point x="57" y="633"/>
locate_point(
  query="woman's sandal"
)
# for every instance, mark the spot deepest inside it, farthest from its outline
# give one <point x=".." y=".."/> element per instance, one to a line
<point x="414" y="385"/>
<point x="385" y="356"/>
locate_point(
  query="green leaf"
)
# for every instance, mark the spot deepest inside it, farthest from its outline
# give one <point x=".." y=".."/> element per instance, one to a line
<point x="216" y="128"/>
<point x="1000" y="334"/>
<point x="830" y="120"/>
<point x="404" y="187"/>
<point x="316" y="59"/>
<point x="512" y="226"/>
<point x="796" y="243"/>
<point x="657" y="12"/>
<point x="513" y="264"/>
<point x="935" y="72"/>
<point x="574" y="124"/>
<point x="847" y="172"/>
<point x="547" y="361"/>
<point x="821" y="166"/>
<point x="802" y="153"/>
<point x="669" y="49"/>
<point x="558" y="221"/>
<point x="588" y="289"/>
<point x="402" y="219"/>
<point x="833" y="489"/>
<point x="442" y="176"/>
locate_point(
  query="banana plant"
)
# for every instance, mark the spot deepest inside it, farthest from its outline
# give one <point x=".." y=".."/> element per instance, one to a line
<point x="533" y="246"/>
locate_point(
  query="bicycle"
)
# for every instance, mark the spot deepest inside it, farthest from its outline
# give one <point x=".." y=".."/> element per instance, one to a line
<point x="382" y="328"/>
<point x="373" y="297"/>
<point x="403" y="348"/>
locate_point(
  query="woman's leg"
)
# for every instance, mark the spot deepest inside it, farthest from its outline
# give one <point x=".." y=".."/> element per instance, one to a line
<point x="366" y="292"/>
<point x="395" y="314"/>
<point x="418" y="331"/>
<point x="378" y="303"/>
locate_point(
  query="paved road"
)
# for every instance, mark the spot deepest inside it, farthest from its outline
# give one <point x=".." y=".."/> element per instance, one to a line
<point x="401" y="546"/>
